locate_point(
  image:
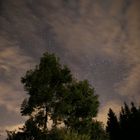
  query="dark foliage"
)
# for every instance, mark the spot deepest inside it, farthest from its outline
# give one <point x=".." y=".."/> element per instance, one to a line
<point x="54" y="94"/>
<point x="113" y="127"/>
<point x="127" y="126"/>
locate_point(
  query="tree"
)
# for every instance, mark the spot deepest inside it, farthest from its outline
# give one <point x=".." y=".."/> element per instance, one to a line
<point x="127" y="126"/>
<point x="112" y="126"/>
<point x="54" y="93"/>
<point x="98" y="132"/>
<point x="130" y="121"/>
<point x="124" y="121"/>
<point x="78" y="107"/>
<point x="44" y="86"/>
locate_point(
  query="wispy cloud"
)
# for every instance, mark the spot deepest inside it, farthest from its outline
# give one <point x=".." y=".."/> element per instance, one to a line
<point x="13" y="64"/>
<point x="114" y="104"/>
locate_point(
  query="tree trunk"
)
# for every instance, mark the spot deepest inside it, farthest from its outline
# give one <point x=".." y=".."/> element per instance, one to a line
<point x="46" y="119"/>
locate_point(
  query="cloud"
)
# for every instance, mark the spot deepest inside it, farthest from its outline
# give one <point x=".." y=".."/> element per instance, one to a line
<point x="113" y="37"/>
<point x="115" y="105"/>
<point x="13" y="63"/>
<point x="129" y="86"/>
<point x="12" y="66"/>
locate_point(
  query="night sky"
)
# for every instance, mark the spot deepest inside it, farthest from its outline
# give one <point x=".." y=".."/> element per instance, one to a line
<point x="98" y="39"/>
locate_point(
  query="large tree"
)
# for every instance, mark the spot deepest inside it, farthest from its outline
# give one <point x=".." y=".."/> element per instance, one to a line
<point x="54" y="93"/>
<point x="45" y="85"/>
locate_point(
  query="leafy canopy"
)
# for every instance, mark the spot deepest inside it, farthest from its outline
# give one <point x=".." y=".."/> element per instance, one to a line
<point x="55" y="94"/>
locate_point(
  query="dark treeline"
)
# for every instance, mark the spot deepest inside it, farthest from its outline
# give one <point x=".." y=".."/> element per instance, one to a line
<point x="60" y="107"/>
<point x="126" y="126"/>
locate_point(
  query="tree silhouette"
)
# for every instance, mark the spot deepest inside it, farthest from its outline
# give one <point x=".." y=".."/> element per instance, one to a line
<point x="45" y="86"/>
<point x="53" y="93"/>
<point x="130" y="122"/>
<point x="127" y="126"/>
<point x="112" y="126"/>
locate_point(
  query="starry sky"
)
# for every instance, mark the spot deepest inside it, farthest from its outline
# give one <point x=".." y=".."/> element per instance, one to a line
<point x="98" y="39"/>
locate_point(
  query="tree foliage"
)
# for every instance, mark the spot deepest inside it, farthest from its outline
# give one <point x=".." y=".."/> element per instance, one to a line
<point x="53" y="93"/>
<point x="113" y="127"/>
<point x="66" y="134"/>
<point x="127" y="125"/>
<point x="97" y="131"/>
<point x="45" y="85"/>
